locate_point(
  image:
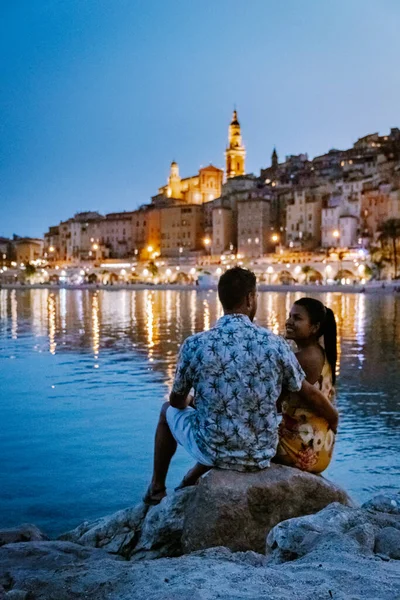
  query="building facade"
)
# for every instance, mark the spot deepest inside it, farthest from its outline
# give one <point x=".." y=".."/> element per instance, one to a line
<point x="28" y="250"/>
<point x="198" y="189"/>
<point x="182" y="230"/>
<point x="254" y="227"/>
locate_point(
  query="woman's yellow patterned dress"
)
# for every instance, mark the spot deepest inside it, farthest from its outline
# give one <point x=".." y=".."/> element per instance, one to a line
<point x="305" y="440"/>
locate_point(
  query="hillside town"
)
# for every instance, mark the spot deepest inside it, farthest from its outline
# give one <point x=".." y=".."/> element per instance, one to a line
<point x="334" y="217"/>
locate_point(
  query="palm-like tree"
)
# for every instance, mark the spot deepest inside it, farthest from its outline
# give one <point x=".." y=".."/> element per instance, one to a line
<point x="389" y="236"/>
<point x="306" y="270"/>
<point x="379" y="258"/>
<point x="152" y="267"/>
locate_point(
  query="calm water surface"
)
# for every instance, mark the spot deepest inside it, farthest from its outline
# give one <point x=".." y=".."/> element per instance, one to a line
<point x="83" y="375"/>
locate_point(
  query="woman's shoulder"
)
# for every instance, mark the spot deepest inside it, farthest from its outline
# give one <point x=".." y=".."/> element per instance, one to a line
<point x="312" y="360"/>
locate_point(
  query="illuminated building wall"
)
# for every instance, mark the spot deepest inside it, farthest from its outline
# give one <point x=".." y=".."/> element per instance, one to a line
<point x="28" y="249"/>
<point x="223" y="230"/>
<point x="254" y="227"/>
<point x="303" y="218"/>
<point x="181" y="227"/>
<point x="198" y="189"/>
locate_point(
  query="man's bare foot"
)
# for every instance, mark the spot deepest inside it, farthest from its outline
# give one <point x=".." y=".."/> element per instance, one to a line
<point x="192" y="477"/>
<point x="154" y="496"/>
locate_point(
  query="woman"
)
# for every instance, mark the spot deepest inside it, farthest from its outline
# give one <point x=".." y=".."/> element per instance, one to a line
<point x="305" y="440"/>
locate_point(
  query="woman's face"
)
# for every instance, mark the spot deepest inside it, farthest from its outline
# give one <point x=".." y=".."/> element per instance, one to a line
<point x="298" y="325"/>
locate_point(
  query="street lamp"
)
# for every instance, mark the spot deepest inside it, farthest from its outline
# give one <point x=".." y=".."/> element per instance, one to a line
<point x="207" y="242"/>
<point x="275" y="239"/>
<point x="336" y="235"/>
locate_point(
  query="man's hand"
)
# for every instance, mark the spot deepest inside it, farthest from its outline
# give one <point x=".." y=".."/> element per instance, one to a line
<point x="178" y="400"/>
<point x="319" y="404"/>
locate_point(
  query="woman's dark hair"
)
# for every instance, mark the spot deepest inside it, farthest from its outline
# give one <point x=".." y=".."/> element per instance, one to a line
<point x="322" y="315"/>
<point x="234" y="285"/>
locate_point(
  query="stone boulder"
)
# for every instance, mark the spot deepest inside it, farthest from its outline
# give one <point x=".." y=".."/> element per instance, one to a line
<point x="162" y="529"/>
<point x="118" y="533"/>
<point x="23" y="533"/>
<point x="367" y="530"/>
<point x="237" y="510"/>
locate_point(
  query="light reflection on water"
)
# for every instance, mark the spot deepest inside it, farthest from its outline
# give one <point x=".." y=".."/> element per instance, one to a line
<point x="84" y="373"/>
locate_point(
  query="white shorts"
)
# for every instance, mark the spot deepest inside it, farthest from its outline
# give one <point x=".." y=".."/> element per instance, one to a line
<point x="180" y="423"/>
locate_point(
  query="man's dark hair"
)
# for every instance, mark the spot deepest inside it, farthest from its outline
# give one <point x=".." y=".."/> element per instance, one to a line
<point x="234" y="285"/>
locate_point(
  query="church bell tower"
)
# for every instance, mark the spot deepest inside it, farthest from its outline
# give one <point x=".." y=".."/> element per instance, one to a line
<point x="235" y="154"/>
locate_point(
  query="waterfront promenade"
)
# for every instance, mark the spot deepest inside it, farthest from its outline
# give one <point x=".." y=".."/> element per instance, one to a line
<point x="378" y="287"/>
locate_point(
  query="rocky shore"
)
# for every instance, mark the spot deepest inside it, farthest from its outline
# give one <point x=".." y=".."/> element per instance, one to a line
<point x="277" y="534"/>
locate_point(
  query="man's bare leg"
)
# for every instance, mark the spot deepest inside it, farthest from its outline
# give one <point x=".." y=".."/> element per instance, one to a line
<point x="164" y="449"/>
<point x="192" y="476"/>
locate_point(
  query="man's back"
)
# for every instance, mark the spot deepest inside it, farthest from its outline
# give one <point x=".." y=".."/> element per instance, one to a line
<point x="237" y="370"/>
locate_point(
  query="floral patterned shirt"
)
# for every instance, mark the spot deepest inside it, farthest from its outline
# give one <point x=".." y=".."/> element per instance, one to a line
<point x="237" y="370"/>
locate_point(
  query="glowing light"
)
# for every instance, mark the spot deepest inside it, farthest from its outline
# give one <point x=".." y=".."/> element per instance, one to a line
<point x="95" y="246"/>
<point x="206" y="315"/>
<point x="95" y="326"/>
<point x="14" y="315"/>
<point x="149" y="322"/>
<point x="207" y="241"/>
<point x="336" y="233"/>
<point x="81" y="272"/>
<point x="168" y="272"/>
<point x="275" y="237"/>
<point x="116" y="265"/>
<point x="193" y="271"/>
<point x="297" y="269"/>
<point x="52" y="323"/>
<point x="123" y="272"/>
<point x="218" y="271"/>
<point x="51" y="249"/>
<point x="145" y="272"/>
<point x="149" y="248"/>
<point x="270" y="270"/>
<point x="257" y="240"/>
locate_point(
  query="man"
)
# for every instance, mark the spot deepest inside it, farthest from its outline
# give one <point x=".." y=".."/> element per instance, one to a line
<point x="238" y="371"/>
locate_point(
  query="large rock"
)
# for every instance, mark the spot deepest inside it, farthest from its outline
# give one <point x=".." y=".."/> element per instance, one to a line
<point x="65" y="571"/>
<point x="118" y="533"/>
<point x="23" y="533"/>
<point x="237" y="510"/>
<point x="162" y="528"/>
<point x="345" y="527"/>
<point x="367" y="530"/>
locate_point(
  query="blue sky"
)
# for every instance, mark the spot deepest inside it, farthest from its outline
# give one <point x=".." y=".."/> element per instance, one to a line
<point x="98" y="96"/>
